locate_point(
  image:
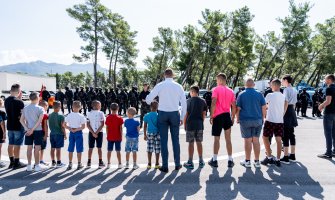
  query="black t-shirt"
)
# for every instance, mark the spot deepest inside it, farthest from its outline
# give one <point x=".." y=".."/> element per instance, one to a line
<point x="13" y="107"/>
<point x="4" y="118"/>
<point x="195" y="107"/>
<point x="330" y="91"/>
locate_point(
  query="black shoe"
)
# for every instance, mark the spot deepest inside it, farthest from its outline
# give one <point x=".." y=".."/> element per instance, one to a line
<point x="231" y="163"/>
<point x="277" y="163"/>
<point x="80" y="166"/>
<point x="11" y="165"/>
<point x="267" y="161"/>
<point x="88" y="165"/>
<point x="291" y="157"/>
<point x="285" y="160"/>
<point x="213" y="163"/>
<point x="19" y="166"/>
<point x="325" y="155"/>
<point x="69" y="167"/>
<point x="163" y="169"/>
<point x="177" y="168"/>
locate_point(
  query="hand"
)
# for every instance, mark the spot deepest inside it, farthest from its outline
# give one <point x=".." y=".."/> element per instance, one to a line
<point x="65" y="138"/>
<point x="145" y="137"/>
<point x="181" y="122"/>
<point x="29" y="132"/>
<point x="237" y="120"/>
<point x="211" y="120"/>
<point x="73" y="130"/>
<point x="320" y="108"/>
<point x="233" y="120"/>
<point x="45" y="138"/>
<point x="95" y="135"/>
<point x="4" y="137"/>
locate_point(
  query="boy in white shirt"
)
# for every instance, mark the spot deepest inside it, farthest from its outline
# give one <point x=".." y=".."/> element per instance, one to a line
<point x="95" y="123"/>
<point x="75" y="122"/>
<point x="274" y="123"/>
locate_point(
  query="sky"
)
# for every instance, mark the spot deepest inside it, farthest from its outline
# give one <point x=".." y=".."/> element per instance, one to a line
<point x="33" y="30"/>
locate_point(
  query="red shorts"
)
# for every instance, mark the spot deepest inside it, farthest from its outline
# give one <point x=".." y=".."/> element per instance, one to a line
<point x="270" y="129"/>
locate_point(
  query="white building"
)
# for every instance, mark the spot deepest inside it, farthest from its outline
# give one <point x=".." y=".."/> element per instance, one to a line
<point x="27" y="82"/>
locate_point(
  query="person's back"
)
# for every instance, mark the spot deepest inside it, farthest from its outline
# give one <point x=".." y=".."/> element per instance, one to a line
<point x="55" y="123"/>
<point x="32" y="112"/>
<point x="13" y="107"/>
<point x="131" y="126"/>
<point x="195" y="108"/>
<point x="151" y="119"/>
<point x="250" y="101"/>
<point x="225" y="96"/>
<point x="114" y="124"/>
<point x="275" y="113"/>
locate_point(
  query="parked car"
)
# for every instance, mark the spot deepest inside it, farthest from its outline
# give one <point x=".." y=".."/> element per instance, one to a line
<point x="25" y="96"/>
<point x="202" y="92"/>
<point x="4" y="94"/>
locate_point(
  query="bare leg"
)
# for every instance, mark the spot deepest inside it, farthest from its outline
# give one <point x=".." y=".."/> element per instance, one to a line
<point x="157" y="158"/>
<point x="41" y="154"/>
<point x="52" y="153"/>
<point x="37" y="154"/>
<point x="17" y="151"/>
<point x="109" y="155"/>
<point x="79" y="157"/>
<point x="127" y="156"/>
<point x="267" y="146"/>
<point x="90" y="151"/>
<point x="118" y="154"/>
<point x="199" y="148"/>
<point x="100" y="153"/>
<point x="279" y="145"/>
<point x="70" y="156"/>
<point x="285" y="151"/>
<point x="190" y="150"/>
<point x="10" y="150"/>
<point x="216" y="144"/>
<point x="149" y="158"/>
<point x="247" y="147"/>
<point x="29" y="153"/>
<point x="228" y="142"/>
<point x="292" y="149"/>
<point x="134" y="156"/>
<point x="58" y="155"/>
<point x="257" y="147"/>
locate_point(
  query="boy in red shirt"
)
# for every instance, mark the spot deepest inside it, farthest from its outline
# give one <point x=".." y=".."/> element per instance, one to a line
<point x="45" y="129"/>
<point x="114" y="134"/>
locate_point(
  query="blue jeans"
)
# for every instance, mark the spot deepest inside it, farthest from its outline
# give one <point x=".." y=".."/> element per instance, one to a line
<point x="329" y="130"/>
<point x="168" y="120"/>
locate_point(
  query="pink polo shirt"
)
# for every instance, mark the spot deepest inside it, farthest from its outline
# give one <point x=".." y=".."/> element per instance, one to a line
<point x="224" y="98"/>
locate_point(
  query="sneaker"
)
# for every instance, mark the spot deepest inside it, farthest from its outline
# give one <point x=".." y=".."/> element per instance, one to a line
<point x="19" y="166"/>
<point x="88" y="165"/>
<point x="80" y="166"/>
<point x="101" y="165"/>
<point x="44" y="163"/>
<point x="291" y="157"/>
<point x="40" y="167"/>
<point x="257" y="164"/>
<point x="277" y="163"/>
<point x="11" y="165"/>
<point x="325" y="155"/>
<point x="201" y="164"/>
<point x="267" y="161"/>
<point x="285" y="160"/>
<point x="213" y="163"/>
<point x="148" y="166"/>
<point x="127" y="166"/>
<point x="135" y="167"/>
<point x="177" y="168"/>
<point x="29" y="168"/>
<point x="245" y="163"/>
<point x="157" y="166"/>
<point x="188" y="165"/>
<point x="120" y="166"/>
<point x="231" y="163"/>
<point x="60" y="165"/>
<point x="53" y="164"/>
<point x="2" y="164"/>
<point x="163" y="169"/>
<point x="69" y="167"/>
<point x="108" y="165"/>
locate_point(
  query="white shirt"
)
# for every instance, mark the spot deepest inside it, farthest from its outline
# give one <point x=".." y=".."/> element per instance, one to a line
<point x="171" y="96"/>
<point x="75" y="120"/>
<point x="276" y="104"/>
<point x="95" y="117"/>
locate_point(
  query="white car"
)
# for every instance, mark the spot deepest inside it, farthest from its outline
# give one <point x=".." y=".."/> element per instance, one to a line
<point x="4" y="94"/>
<point x="25" y="96"/>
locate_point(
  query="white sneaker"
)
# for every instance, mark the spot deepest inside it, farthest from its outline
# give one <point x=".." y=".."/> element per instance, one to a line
<point x="245" y="163"/>
<point x="135" y="167"/>
<point x="127" y="166"/>
<point x="108" y="166"/>
<point x="60" y="165"/>
<point x="2" y="164"/>
<point x="29" y="168"/>
<point x="257" y="164"/>
<point x="120" y="166"/>
<point x="39" y="168"/>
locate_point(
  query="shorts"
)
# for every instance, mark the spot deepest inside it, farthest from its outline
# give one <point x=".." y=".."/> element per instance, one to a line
<point x="92" y="140"/>
<point x="35" y="138"/>
<point x="76" y="140"/>
<point x="131" y="144"/>
<point x="270" y="129"/>
<point x="153" y="143"/>
<point x="222" y="121"/>
<point x="44" y="144"/>
<point x="192" y="136"/>
<point x="251" y="128"/>
<point x="56" y="141"/>
<point x="111" y="144"/>
<point x="15" y="137"/>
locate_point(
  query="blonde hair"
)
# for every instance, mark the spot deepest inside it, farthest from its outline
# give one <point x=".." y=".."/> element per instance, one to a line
<point x="76" y="104"/>
<point x="43" y="103"/>
<point x="132" y="111"/>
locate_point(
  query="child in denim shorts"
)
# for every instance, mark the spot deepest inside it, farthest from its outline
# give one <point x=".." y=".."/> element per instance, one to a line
<point x="133" y="128"/>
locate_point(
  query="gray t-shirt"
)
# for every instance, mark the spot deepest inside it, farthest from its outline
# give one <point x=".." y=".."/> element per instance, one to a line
<point x="195" y="107"/>
<point x="290" y="95"/>
<point x="32" y="113"/>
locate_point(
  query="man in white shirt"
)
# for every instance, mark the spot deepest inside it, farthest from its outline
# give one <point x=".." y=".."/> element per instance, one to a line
<point x="171" y="96"/>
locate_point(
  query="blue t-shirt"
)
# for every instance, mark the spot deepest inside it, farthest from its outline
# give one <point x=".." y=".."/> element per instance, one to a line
<point x="131" y="126"/>
<point x="151" y="120"/>
<point x="250" y="101"/>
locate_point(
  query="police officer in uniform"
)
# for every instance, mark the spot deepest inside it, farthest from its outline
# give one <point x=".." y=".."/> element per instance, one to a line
<point x="69" y="99"/>
<point x="90" y="98"/>
<point x="132" y="97"/>
<point x="304" y="97"/>
<point x="123" y="97"/>
<point x="208" y="98"/>
<point x="82" y="98"/>
<point x="60" y="96"/>
<point x="102" y="99"/>
<point x="76" y="95"/>
<point x="111" y="98"/>
<point x="145" y="108"/>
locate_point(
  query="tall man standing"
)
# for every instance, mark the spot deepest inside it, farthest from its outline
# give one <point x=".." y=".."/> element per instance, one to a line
<point x="14" y="106"/>
<point x="223" y="99"/>
<point x="208" y="98"/>
<point x="329" y="117"/>
<point x="171" y="95"/>
<point x="145" y="108"/>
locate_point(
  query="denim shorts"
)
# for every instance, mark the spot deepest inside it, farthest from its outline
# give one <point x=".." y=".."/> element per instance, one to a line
<point x="131" y="144"/>
<point x="15" y="137"/>
<point x="76" y="141"/>
<point x="111" y="144"/>
<point x="56" y="141"/>
<point x="251" y="128"/>
<point x="36" y="138"/>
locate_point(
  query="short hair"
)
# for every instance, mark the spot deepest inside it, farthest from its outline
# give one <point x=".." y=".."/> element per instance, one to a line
<point x="330" y="77"/>
<point x="249" y="82"/>
<point x="33" y="96"/>
<point x="222" y="76"/>
<point x="168" y="72"/>
<point x="276" y="82"/>
<point x="154" y="105"/>
<point x="1" y="102"/>
<point x="43" y="103"/>
<point x="132" y="111"/>
<point x="195" y="89"/>
<point x="95" y="103"/>
<point x="56" y="105"/>
<point x="76" y="104"/>
<point x="15" y="88"/>
<point x="114" y="106"/>
<point x="288" y="78"/>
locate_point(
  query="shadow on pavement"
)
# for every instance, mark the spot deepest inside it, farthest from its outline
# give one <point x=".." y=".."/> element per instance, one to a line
<point x="221" y="187"/>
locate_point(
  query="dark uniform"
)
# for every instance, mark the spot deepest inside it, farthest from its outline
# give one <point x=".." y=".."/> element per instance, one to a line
<point x="298" y="105"/>
<point x="304" y="98"/>
<point x="208" y="98"/>
<point x="76" y="95"/>
<point x="91" y="96"/>
<point x="82" y="98"/>
<point x="145" y="108"/>
<point x="60" y="96"/>
<point x="123" y="98"/>
<point x="69" y="99"/>
<point x="132" y="96"/>
<point x="111" y="98"/>
<point x="102" y="98"/>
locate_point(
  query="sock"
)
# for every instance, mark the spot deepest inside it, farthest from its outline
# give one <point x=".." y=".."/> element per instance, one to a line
<point x="11" y="159"/>
<point x="215" y="156"/>
<point x="100" y="161"/>
<point x="53" y="161"/>
<point x="247" y="160"/>
<point x="190" y="160"/>
<point x="41" y="161"/>
<point x="89" y="160"/>
<point x="256" y="160"/>
<point x="230" y="158"/>
<point x="70" y="163"/>
<point x="200" y="158"/>
<point x="134" y="163"/>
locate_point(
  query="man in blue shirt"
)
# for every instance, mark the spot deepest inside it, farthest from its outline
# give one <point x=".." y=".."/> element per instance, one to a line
<point x="251" y="110"/>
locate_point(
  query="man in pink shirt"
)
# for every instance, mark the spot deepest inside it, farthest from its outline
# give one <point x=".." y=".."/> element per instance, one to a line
<point x="223" y="99"/>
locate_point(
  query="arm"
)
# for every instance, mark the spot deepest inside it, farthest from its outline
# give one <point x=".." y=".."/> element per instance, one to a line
<point x="90" y="127"/>
<point x="264" y="111"/>
<point x="23" y="122"/>
<point x="3" y="127"/>
<point x="326" y="103"/>
<point x="145" y="131"/>
<point x="238" y="114"/>
<point x="185" y="118"/>
<point x="285" y="106"/>
<point x="152" y="95"/>
<point x="46" y="130"/>
<point x="233" y="111"/>
<point x="101" y="127"/>
<point x="183" y="106"/>
<point x="203" y="115"/>
<point x="63" y="129"/>
<point x="213" y="107"/>
<point x="138" y="128"/>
